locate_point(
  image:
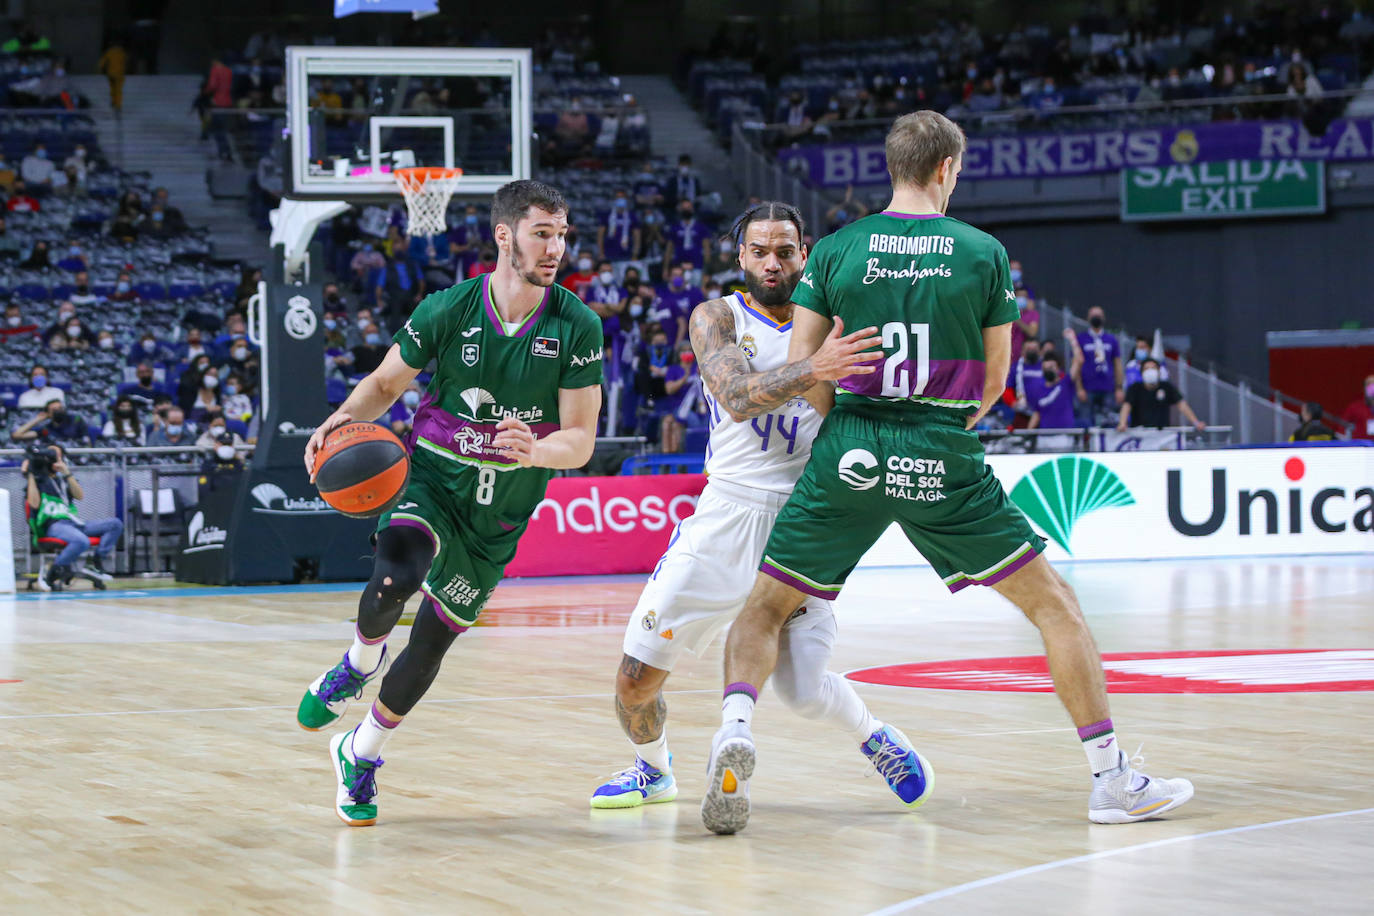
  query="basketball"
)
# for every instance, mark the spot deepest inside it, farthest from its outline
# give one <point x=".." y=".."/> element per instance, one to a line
<point x="362" y="469"/>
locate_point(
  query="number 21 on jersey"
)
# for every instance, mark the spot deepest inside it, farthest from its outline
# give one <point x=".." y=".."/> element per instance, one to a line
<point x="897" y="380"/>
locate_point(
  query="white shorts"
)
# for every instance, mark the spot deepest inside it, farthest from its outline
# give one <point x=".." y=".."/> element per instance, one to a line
<point x="701" y="582"/>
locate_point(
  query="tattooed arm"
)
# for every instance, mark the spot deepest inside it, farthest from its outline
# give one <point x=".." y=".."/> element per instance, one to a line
<point x="744" y="393"/>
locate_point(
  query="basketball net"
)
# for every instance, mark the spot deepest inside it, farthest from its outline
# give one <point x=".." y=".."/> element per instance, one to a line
<point x="427" y="191"/>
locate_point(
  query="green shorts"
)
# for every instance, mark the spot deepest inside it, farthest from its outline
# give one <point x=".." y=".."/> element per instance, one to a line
<point x="871" y="467"/>
<point x="472" y="546"/>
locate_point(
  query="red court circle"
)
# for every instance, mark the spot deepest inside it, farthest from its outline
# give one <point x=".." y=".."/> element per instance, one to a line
<point x="1218" y="671"/>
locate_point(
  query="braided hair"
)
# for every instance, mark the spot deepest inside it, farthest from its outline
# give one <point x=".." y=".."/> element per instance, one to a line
<point x="765" y="211"/>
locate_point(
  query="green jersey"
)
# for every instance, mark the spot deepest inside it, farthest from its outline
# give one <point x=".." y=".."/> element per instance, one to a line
<point x="930" y="284"/>
<point x="487" y="372"/>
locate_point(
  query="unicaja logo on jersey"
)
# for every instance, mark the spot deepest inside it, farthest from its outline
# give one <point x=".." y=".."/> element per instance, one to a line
<point x="859" y="469"/>
<point x="1057" y="493"/>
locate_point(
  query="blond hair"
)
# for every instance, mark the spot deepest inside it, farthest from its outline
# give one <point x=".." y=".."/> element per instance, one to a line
<point x="917" y="143"/>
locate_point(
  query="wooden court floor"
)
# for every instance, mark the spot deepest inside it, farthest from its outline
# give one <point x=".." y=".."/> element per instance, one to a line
<point x="152" y="763"/>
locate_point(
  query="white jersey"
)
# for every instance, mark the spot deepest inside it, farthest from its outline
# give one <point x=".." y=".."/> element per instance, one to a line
<point x="770" y="451"/>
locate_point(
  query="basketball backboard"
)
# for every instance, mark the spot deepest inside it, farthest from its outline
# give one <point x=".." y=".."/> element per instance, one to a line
<point x="356" y="113"/>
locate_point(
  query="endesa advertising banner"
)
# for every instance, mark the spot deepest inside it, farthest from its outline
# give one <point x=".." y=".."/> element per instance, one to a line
<point x="1166" y="505"/>
<point x="599" y="525"/>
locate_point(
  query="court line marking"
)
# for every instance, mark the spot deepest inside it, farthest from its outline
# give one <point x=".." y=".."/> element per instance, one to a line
<point x="933" y="896"/>
<point x="153" y="712"/>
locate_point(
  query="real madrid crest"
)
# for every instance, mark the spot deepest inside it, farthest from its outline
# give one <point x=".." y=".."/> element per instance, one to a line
<point x="650" y="620"/>
<point x="299" y="319"/>
<point x="748" y="346"/>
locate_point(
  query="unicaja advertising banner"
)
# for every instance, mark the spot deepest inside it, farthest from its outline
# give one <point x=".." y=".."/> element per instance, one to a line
<point x="1168" y="505"/>
<point x="600" y="525"/>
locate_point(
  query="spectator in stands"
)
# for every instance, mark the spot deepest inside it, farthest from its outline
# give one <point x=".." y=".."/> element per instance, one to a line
<point x="215" y="431"/>
<point x="36" y="168"/>
<point x="367" y="261"/>
<point x="264" y="45"/>
<point x="1026" y="377"/>
<point x="160" y="226"/>
<point x="607" y="298"/>
<point x="617" y="233"/>
<point x="174" y="431"/>
<point x="572" y="132"/>
<point x="466" y="239"/>
<point x="74" y="335"/>
<point x="128" y="218"/>
<point x="146" y="349"/>
<point x="795" y="117"/>
<point x="334" y="300"/>
<point x="38" y="257"/>
<point x="124" y="288"/>
<point x="686" y="183"/>
<point x="485" y="263"/>
<point x="648" y="188"/>
<point x="9" y="242"/>
<point x="1101" y="383"/>
<point x="581" y="279"/>
<point x="1303" y="85"/>
<point x="82" y="294"/>
<point x="144" y="390"/>
<point x="20" y="201"/>
<point x="368" y="355"/>
<point x="400" y="287"/>
<point x="237" y="403"/>
<point x="358" y="330"/>
<point x="676" y="382"/>
<point x="219" y="88"/>
<point x="1051" y="402"/>
<point x="249" y="278"/>
<point x="1139" y="354"/>
<point x="1312" y="428"/>
<point x="77" y="164"/>
<point x="189" y="384"/>
<point x="846" y="211"/>
<point x="74" y="258"/>
<point x="723" y="264"/>
<point x="688" y="239"/>
<point x="653" y="243"/>
<point x="104" y="340"/>
<point x="1360" y="413"/>
<point x="1148" y="401"/>
<point x="163" y="200"/>
<point x="39" y="392"/>
<point x="53" y="423"/>
<point x="206" y="401"/>
<point x="114" y="64"/>
<point x="403" y="411"/>
<point x="674" y="305"/>
<point x="1027" y="325"/>
<point x="15" y="323"/>
<point x="239" y="357"/>
<point x="194" y="346"/>
<point x="124" y="424"/>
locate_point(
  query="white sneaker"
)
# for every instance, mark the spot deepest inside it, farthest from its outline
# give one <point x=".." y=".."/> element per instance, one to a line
<point x="1125" y="795"/>
<point x="725" y="808"/>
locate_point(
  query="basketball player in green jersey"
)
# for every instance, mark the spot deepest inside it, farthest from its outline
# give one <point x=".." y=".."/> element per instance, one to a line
<point x="515" y="394"/>
<point x="898" y="447"/>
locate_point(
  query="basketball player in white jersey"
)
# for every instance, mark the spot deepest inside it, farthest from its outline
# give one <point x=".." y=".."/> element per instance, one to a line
<point x="761" y="432"/>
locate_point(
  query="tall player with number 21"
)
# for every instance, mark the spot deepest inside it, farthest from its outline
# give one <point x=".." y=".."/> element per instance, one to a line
<point x="515" y="394"/>
<point x="898" y="446"/>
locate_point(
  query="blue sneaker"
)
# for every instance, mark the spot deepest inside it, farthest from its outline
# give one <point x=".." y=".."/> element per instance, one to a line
<point x="908" y="774"/>
<point x="638" y="785"/>
<point x="357" y="777"/>
<point x="327" y="698"/>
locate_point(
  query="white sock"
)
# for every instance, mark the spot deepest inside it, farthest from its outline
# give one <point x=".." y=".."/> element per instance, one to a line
<point x="370" y="736"/>
<point x="364" y="657"/>
<point x="1100" y="744"/>
<point x="866" y="729"/>
<point x="655" y="753"/>
<point x="737" y="707"/>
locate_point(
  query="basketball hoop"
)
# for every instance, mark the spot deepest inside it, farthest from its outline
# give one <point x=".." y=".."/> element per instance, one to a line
<point x="427" y="191"/>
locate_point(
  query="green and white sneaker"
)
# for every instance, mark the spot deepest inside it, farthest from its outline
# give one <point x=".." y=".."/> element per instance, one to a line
<point x="327" y="698"/>
<point x="357" y="776"/>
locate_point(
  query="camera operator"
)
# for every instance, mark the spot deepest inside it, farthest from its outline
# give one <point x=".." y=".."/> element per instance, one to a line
<point x="52" y="492"/>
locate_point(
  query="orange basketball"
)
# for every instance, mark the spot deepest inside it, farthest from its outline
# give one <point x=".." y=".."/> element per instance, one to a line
<point x="362" y="469"/>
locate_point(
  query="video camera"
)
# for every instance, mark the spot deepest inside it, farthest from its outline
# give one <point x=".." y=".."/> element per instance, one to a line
<point x="41" y="459"/>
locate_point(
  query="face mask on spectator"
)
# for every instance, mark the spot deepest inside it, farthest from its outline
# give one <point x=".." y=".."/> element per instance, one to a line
<point x="107" y="343"/>
<point x="157" y="216"/>
<point x="64" y="314"/>
<point x="676" y="282"/>
<point x="364" y="321"/>
<point x="216" y="430"/>
<point x="606" y="278"/>
<point x="145" y="380"/>
<point x="1150" y="376"/>
<point x="224" y="452"/>
<point x="210" y="381"/>
<point x="14" y="321"/>
<point x="230" y="389"/>
<point x="636" y="310"/>
<point x="122" y="286"/>
<point x="584" y="264"/>
<point x="73" y="330"/>
<point x="411" y="399"/>
<point x="40" y="381"/>
<point x="74" y="250"/>
<point x="1021" y="302"/>
<point x="1141" y="353"/>
<point x="174" y="429"/>
<point x="330" y="324"/>
<point x="1016" y="275"/>
<point x="1051" y="376"/>
<point x="373" y="339"/>
<point x="149" y="346"/>
<point x="1030" y="357"/>
<point x="1369" y="392"/>
<point x="240" y="353"/>
<point x="726" y="246"/>
<point x="41" y="153"/>
<point x="1096" y="322"/>
<point x="621" y="203"/>
<point x="471" y="219"/>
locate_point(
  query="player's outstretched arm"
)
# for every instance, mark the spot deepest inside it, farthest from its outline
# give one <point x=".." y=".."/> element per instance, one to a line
<point x="370" y="398"/>
<point x="744" y="394"/>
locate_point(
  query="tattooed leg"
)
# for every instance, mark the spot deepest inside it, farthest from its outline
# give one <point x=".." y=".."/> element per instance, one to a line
<point x="639" y="700"/>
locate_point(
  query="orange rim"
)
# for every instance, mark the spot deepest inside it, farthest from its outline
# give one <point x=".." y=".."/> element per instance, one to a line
<point x="417" y="176"/>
